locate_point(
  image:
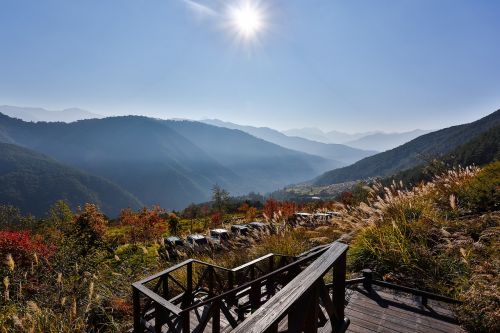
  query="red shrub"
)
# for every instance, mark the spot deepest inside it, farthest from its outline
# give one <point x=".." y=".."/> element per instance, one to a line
<point x="273" y="206"/>
<point x="22" y="246"/>
<point x="145" y="225"/>
<point x="216" y="219"/>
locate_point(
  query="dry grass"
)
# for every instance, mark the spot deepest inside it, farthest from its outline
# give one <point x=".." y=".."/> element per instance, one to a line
<point x="431" y="237"/>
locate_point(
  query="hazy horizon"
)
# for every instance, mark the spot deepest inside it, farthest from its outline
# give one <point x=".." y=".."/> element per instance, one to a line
<point x="318" y="128"/>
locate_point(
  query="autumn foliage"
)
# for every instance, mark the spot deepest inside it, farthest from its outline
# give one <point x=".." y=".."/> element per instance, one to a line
<point x="273" y="207"/>
<point x="23" y="246"/>
<point x="144" y="225"/>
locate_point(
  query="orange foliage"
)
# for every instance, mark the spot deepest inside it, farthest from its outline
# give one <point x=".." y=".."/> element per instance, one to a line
<point x="251" y="213"/>
<point x="273" y="206"/>
<point x="90" y="224"/>
<point x="244" y="208"/>
<point x="216" y="219"/>
<point x="145" y="225"/>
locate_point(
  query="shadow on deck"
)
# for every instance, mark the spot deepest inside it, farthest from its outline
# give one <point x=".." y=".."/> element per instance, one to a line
<point x="383" y="310"/>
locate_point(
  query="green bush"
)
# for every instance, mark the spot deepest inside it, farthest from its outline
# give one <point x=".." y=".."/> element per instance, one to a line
<point x="482" y="193"/>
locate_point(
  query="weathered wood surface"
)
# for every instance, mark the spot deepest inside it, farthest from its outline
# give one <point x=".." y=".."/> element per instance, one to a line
<point x="386" y="311"/>
<point x="276" y="293"/>
<point x="272" y="311"/>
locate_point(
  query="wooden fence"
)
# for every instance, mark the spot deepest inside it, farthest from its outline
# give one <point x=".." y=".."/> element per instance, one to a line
<point x="171" y="301"/>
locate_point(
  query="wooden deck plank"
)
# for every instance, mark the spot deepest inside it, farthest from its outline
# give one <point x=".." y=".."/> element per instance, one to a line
<point x="402" y="308"/>
<point x="402" y="316"/>
<point x="369" y="313"/>
<point x="400" y="303"/>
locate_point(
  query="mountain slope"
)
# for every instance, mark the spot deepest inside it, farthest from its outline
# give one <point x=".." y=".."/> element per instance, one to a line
<point x="39" y="114"/>
<point x="483" y="149"/>
<point x="385" y="141"/>
<point x="168" y="163"/>
<point x="410" y="154"/>
<point x="257" y="161"/>
<point x="339" y="154"/>
<point x="33" y="182"/>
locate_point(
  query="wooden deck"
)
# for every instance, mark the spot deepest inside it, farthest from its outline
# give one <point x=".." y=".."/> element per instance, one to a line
<point x="381" y="311"/>
<point x="387" y="311"/>
<point x="276" y="293"/>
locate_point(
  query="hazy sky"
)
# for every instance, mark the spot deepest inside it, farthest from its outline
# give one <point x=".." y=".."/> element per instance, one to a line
<point x="347" y="65"/>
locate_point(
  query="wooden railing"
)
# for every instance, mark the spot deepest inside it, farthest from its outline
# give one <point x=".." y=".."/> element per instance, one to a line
<point x="171" y="298"/>
<point x="303" y="299"/>
<point x="368" y="282"/>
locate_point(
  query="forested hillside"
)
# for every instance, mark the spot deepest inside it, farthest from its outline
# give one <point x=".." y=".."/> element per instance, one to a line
<point x="413" y="153"/>
<point x="481" y="150"/>
<point x="33" y="182"/>
<point x="166" y="162"/>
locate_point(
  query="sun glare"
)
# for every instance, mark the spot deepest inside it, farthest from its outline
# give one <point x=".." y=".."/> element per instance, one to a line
<point x="246" y="19"/>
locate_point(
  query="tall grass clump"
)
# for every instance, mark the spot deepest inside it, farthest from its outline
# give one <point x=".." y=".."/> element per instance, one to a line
<point x="441" y="236"/>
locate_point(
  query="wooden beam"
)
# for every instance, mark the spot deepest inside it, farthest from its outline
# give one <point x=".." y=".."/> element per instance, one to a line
<point x="278" y="306"/>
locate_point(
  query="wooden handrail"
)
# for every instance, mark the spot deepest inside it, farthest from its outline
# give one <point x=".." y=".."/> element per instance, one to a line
<point x="367" y="281"/>
<point x="166" y="271"/>
<point x="158" y="299"/>
<point x="250" y="263"/>
<point x="223" y="289"/>
<point x="269" y="315"/>
<point x="250" y="283"/>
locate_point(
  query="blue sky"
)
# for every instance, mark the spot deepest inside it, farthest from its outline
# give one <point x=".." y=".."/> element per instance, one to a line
<point x="345" y="65"/>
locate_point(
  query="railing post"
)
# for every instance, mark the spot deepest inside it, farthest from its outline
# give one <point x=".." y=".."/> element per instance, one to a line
<point x="185" y="318"/>
<point x="270" y="281"/>
<point x="216" y="316"/>
<point x="211" y="281"/>
<point x="230" y="284"/>
<point x="160" y="315"/>
<point x="312" y="312"/>
<point x="189" y="284"/>
<point x="255" y="295"/>
<point x="368" y="277"/>
<point x="136" y="299"/>
<point x="338" y="292"/>
<point x="165" y="287"/>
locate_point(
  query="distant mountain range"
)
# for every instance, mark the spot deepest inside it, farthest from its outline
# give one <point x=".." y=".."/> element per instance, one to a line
<point x="32" y="182"/>
<point x="39" y="114"/>
<point x="311" y="140"/>
<point x="315" y="134"/>
<point x="340" y="155"/>
<point x="170" y="163"/>
<point x="374" y="141"/>
<point x="385" y="141"/>
<point x="132" y="161"/>
<point x="411" y="154"/>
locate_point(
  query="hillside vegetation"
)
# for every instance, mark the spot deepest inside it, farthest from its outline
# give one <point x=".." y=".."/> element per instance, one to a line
<point x="171" y="163"/>
<point x="71" y="272"/>
<point x="411" y="154"/>
<point x="33" y="182"/>
<point x="442" y="236"/>
<point x="483" y="149"/>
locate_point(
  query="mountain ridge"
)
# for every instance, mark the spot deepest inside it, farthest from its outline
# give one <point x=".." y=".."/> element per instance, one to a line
<point x="338" y="153"/>
<point x="166" y="162"/>
<point x="409" y="154"/>
<point x="37" y="114"/>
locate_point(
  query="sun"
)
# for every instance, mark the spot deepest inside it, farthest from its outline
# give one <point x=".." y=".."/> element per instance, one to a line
<point x="246" y="19"/>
